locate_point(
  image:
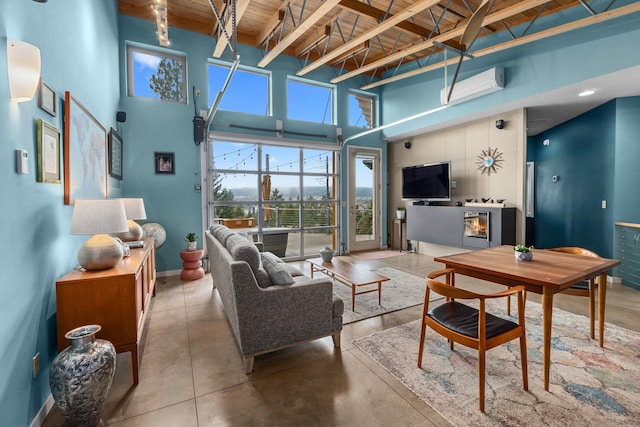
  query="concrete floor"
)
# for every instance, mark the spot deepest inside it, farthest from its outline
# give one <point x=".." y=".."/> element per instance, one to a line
<point x="191" y="373"/>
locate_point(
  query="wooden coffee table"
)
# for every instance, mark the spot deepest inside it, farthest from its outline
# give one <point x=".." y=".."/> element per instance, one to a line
<point x="350" y="275"/>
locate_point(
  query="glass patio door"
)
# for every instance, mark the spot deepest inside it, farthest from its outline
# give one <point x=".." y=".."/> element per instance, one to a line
<point x="364" y="199"/>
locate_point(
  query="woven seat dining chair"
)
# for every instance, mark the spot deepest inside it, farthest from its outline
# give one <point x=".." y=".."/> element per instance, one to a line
<point x="471" y="327"/>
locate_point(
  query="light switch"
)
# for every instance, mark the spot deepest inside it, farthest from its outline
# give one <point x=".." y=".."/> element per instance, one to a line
<point x="604" y="204"/>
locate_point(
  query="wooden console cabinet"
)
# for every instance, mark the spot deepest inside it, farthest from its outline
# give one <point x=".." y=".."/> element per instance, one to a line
<point x="116" y="299"/>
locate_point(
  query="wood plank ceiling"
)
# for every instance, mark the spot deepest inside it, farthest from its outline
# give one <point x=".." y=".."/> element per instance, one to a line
<point x="371" y="37"/>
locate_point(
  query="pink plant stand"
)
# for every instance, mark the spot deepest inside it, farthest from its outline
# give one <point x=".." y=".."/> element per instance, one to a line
<point x="191" y="265"/>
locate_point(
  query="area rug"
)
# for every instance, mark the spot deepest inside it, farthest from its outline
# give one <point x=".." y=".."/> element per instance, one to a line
<point x="402" y="291"/>
<point x="590" y="386"/>
<point x="369" y="255"/>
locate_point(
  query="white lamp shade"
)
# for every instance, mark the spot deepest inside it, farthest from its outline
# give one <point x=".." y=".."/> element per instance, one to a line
<point x="134" y="208"/>
<point x="23" y="66"/>
<point x="98" y="216"/>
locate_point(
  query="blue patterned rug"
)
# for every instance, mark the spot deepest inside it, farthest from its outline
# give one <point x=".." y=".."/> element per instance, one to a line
<point x="589" y="386"/>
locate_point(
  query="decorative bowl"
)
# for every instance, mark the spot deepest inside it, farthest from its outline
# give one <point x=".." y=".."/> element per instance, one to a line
<point x="468" y="200"/>
<point x="523" y="256"/>
<point x="500" y="200"/>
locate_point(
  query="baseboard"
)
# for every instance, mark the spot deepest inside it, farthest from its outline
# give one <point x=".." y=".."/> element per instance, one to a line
<point x="168" y="273"/>
<point x="38" y="420"/>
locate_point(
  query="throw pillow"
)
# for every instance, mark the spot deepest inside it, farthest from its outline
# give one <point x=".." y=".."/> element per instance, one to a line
<point x="276" y="269"/>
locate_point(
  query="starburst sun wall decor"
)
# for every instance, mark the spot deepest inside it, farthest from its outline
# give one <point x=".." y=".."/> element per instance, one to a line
<point x="489" y="161"/>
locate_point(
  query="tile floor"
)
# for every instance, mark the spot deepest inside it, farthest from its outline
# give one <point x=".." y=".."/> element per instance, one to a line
<point x="191" y="373"/>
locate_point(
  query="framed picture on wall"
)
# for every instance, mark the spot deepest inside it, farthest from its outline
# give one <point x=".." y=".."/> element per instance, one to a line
<point x="165" y="163"/>
<point x="47" y="98"/>
<point x="48" y="153"/>
<point x="85" y="159"/>
<point x="115" y="154"/>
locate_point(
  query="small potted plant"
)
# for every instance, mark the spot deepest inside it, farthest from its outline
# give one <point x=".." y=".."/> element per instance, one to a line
<point x="400" y="212"/>
<point x="523" y="253"/>
<point x="192" y="241"/>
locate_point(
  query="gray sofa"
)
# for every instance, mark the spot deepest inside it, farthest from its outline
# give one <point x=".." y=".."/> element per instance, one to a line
<point x="263" y="316"/>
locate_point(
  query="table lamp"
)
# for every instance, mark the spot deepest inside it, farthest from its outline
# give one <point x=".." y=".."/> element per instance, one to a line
<point x="134" y="209"/>
<point x="99" y="217"/>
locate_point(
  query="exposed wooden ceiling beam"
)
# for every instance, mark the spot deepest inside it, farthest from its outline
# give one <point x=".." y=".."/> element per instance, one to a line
<point x="362" y="8"/>
<point x="427" y="44"/>
<point x="390" y="22"/>
<point x="312" y="40"/>
<point x="582" y="23"/>
<point x="273" y="22"/>
<point x="354" y="51"/>
<point x="241" y="7"/>
<point x="294" y="35"/>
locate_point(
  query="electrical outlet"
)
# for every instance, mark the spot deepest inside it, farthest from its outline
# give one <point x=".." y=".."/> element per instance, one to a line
<point x="36" y="365"/>
<point x="197" y="92"/>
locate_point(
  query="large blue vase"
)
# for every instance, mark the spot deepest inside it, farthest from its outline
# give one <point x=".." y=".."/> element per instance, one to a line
<point x="81" y="376"/>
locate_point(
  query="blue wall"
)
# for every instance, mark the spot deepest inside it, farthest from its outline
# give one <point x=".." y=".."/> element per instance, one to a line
<point x="626" y="204"/>
<point x="78" y="43"/>
<point x="596" y="156"/>
<point x="581" y="153"/>
<point x="153" y="125"/>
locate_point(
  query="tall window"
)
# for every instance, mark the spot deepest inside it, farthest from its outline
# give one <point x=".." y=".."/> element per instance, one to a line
<point x="276" y="193"/>
<point x="156" y="74"/>
<point x="311" y="102"/>
<point x="248" y="91"/>
<point x="362" y="110"/>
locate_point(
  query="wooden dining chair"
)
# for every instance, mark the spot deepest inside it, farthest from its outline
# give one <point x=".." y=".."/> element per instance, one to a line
<point x="586" y="288"/>
<point x="471" y="327"/>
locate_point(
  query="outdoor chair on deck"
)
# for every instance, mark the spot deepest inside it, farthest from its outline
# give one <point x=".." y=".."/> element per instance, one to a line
<point x="474" y="328"/>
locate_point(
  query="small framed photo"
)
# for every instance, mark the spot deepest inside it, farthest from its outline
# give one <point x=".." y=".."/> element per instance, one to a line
<point x="115" y="154"/>
<point x="48" y="138"/>
<point x="165" y="163"/>
<point x="47" y="98"/>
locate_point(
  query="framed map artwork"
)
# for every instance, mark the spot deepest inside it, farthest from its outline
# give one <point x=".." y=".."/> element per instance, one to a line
<point x="85" y="160"/>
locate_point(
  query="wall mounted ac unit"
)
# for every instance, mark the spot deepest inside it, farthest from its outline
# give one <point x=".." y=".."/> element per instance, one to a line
<point x="481" y="84"/>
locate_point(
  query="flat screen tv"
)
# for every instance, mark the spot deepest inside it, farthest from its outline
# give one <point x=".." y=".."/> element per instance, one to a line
<point x="430" y="182"/>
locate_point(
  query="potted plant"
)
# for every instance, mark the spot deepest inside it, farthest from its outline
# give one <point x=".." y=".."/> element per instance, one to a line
<point x="192" y="241"/>
<point x="523" y="253"/>
<point x="400" y="212"/>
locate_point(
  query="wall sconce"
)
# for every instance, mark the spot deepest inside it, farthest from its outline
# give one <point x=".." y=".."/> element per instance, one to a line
<point x="23" y="65"/>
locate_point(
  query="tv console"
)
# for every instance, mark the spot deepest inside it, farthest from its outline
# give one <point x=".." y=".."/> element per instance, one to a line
<point x="445" y="225"/>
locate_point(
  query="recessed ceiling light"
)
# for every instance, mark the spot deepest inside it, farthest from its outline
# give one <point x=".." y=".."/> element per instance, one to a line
<point x="587" y="92"/>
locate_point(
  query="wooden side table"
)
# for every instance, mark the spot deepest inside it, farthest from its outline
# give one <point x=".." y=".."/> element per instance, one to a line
<point x="397" y="222"/>
<point x="191" y="265"/>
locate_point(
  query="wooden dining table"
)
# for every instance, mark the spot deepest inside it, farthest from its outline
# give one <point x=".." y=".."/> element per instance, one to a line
<point x="547" y="274"/>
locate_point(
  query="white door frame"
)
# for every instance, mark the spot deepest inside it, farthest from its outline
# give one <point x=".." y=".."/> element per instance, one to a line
<point x="376" y="242"/>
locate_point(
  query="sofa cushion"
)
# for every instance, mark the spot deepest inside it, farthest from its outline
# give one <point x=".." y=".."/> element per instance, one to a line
<point x="276" y="269"/>
<point x="223" y="233"/>
<point x="243" y="250"/>
<point x="214" y="227"/>
<point x="262" y="277"/>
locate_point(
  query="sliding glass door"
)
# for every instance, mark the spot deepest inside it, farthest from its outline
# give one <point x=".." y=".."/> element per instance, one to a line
<point x="282" y="195"/>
